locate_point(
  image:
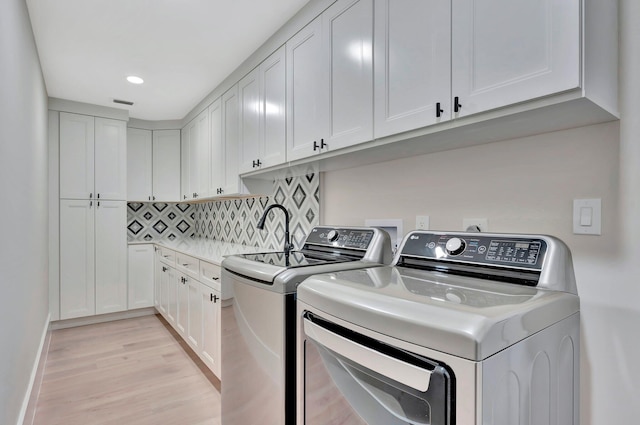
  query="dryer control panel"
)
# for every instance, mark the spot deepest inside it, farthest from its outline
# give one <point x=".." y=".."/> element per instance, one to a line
<point x="476" y="248"/>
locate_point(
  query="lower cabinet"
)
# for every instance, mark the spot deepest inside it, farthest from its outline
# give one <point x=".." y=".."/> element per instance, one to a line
<point x="210" y="302"/>
<point x="191" y="305"/>
<point x="140" y="276"/>
<point x="93" y="257"/>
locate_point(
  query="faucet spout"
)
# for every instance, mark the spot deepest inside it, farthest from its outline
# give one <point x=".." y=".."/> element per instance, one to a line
<point x="260" y="225"/>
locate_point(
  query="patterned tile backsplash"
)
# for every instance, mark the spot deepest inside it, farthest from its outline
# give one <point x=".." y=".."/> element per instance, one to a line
<point x="233" y="220"/>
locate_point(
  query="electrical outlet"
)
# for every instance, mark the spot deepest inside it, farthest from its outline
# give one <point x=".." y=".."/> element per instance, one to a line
<point x="422" y="222"/>
<point x="468" y="224"/>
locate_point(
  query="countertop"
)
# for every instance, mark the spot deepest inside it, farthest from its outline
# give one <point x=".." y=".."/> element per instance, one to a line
<point x="205" y="249"/>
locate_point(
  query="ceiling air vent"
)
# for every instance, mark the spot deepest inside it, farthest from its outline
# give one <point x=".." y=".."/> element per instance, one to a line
<point x="122" y="102"/>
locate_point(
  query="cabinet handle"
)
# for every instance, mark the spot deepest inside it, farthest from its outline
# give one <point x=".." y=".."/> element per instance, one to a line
<point x="90" y="204"/>
<point x="439" y="110"/>
<point x="456" y="104"/>
<point x="98" y="196"/>
<point x="214" y="298"/>
<point x="315" y="146"/>
<point x="166" y="256"/>
<point x="184" y="280"/>
<point x="164" y="269"/>
<point x="91" y="195"/>
<point x="98" y="203"/>
<point x="256" y="163"/>
<point x="149" y="197"/>
<point x="154" y="198"/>
<point x="184" y="196"/>
<point x="185" y="264"/>
<point x="215" y="278"/>
<point x="322" y="144"/>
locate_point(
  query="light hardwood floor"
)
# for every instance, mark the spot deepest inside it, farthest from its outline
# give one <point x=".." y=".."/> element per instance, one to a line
<point x="127" y="372"/>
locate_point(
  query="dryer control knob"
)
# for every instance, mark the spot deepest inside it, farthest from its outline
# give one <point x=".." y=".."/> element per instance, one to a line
<point x="332" y="235"/>
<point x="455" y="246"/>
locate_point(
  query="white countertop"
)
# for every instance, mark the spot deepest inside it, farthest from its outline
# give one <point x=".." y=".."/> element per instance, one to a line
<point x="205" y="249"/>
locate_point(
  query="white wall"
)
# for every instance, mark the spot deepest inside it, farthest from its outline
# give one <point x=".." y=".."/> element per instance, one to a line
<point x="23" y="210"/>
<point x="528" y="185"/>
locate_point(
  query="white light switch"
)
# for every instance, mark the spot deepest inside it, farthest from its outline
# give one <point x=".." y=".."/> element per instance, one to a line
<point x="587" y="216"/>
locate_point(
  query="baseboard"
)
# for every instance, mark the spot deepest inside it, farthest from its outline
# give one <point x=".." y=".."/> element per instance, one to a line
<point x="28" y="410"/>
<point x="92" y="320"/>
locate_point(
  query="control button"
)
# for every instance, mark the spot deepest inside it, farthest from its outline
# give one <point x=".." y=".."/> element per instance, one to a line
<point x="431" y="245"/>
<point x="332" y="235"/>
<point x="455" y="246"/>
<point x="482" y="249"/>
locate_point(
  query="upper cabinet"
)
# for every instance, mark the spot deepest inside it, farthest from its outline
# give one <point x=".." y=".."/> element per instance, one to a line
<point x="413" y="64"/>
<point x="166" y="165"/>
<point x="262" y="109"/>
<point x="216" y="148"/>
<point x="510" y="51"/>
<point x="307" y="101"/>
<point x="139" y="165"/>
<point x="93" y="157"/>
<point x="195" y="158"/>
<point x="230" y="139"/>
<point x="153" y="165"/>
<point x="330" y="80"/>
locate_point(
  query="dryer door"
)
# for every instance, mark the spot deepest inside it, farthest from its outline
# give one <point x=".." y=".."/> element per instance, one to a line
<point x="352" y="379"/>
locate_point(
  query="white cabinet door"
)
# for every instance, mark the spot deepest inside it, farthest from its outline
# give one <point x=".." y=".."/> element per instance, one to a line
<point x="185" y="172"/>
<point x="165" y="278"/>
<point x="157" y="276"/>
<point x="166" y="165"/>
<point x="76" y="156"/>
<point x="249" y="131"/>
<point x="413" y="64"/>
<point x="273" y="97"/>
<point x="139" y="165"/>
<point x="111" y="159"/>
<point x="194" y="328"/>
<point x="171" y="300"/>
<point x="509" y="51"/>
<point x="111" y="256"/>
<point x="211" y="329"/>
<point x="182" y="303"/>
<point x="201" y="188"/>
<point x="77" y="264"/>
<point x="347" y="33"/>
<point x="307" y="99"/>
<point x="193" y="159"/>
<point x="140" y="276"/>
<point x="230" y="128"/>
<point x="262" y="95"/>
<point x="216" y="148"/>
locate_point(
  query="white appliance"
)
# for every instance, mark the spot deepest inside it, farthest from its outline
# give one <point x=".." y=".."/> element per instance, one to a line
<point x="259" y="316"/>
<point x="464" y="329"/>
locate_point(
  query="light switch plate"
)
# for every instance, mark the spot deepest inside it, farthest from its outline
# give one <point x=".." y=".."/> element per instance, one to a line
<point x="587" y="216"/>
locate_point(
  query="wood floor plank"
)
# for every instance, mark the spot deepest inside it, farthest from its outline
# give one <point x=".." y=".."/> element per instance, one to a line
<point x="133" y="372"/>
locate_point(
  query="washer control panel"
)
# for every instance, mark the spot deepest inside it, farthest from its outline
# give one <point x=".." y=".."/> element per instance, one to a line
<point x="490" y="249"/>
<point x="340" y="237"/>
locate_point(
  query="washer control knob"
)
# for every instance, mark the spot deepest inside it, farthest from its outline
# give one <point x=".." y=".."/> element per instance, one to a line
<point x="455" y="246"/>
<point x="333" y="235"/>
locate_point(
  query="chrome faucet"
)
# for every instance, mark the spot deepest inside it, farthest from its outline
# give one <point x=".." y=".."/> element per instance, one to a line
<point x="260" y="226"/>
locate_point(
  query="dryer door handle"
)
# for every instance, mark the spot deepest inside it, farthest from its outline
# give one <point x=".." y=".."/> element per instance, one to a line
<point x="410" y="375"/>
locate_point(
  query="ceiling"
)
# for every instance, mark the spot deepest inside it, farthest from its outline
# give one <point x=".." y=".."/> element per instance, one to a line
<point x="182" y="49"/>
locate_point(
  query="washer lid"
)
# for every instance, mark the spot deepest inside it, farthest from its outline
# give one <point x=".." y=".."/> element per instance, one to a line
<point x="466" y="317"/>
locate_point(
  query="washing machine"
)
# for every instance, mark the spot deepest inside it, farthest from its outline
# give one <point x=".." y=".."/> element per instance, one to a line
<point x="462" y="329"/>
<point x="258" y="318"/>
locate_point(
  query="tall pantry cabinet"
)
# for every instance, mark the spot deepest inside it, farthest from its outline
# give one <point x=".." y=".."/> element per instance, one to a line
<point x="93" y="240"/>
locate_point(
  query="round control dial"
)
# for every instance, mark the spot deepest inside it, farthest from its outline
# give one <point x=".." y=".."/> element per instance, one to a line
<point x="332" y="236"/>
<point x="455" y="246"/>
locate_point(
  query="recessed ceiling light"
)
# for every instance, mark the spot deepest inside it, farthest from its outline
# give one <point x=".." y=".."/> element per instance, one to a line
<point x="134" y="80"/>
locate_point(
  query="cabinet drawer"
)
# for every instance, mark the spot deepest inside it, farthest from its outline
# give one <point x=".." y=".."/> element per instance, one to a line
<point x="188" y="265"/>
<point x="210" y="275"/>
<point x="166" y="255"/>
